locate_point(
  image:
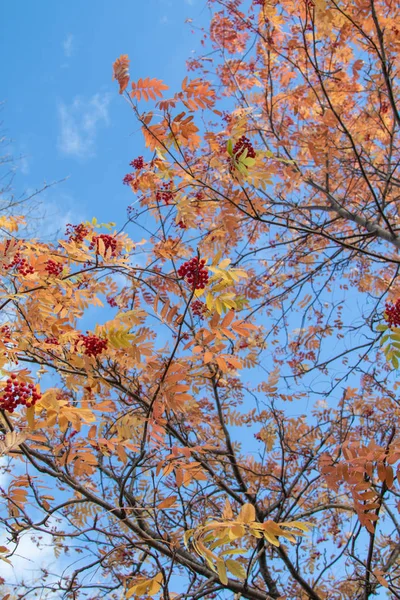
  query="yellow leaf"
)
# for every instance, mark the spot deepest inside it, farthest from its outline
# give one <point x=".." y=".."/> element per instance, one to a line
<point x="12" y="440"/>
<point x="188" y="534"/>
<point x="236" y="568"/>
<point x="227" y="513"/>
<point x="155" y="585"/>
<point x="247" y="514"/>
<point x="222" y="572"/>
<point x="30" y="417"/>
<point x="236" y="531"/>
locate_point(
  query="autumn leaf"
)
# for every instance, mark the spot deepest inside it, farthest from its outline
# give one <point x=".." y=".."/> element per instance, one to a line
<point x="147" y="88"/>
<point x="121" y="72"/>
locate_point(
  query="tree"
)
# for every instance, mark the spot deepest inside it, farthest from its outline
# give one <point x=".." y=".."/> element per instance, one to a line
<point x="231" y="428"/>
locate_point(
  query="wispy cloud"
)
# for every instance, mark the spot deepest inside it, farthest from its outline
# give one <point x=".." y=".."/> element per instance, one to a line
<point x="69" y="45"/>
<point x="79" y="122"/>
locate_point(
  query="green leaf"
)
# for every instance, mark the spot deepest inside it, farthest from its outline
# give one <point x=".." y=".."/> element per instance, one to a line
<point x="243" y="156"/>
<point x="381" y="327"/>
<point x="229" y="147"/>
<point x="241" y="168"/>
<point x="249" y="162"/>
<point x="395" y="362"/>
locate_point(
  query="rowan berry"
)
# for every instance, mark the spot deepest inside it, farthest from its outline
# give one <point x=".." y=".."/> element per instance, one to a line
<point x="194" y="273"/>
<point x="241" y="145"/>
<point x="198" y="309"/>
<point x="18" y="392"/>
<point x="128" y="178"/>
<point x="165" y="193"/>
<point x="92" y="344"/>
<point x="20" y="264"/>
<point x="109" y="241"/>
<point x="54" y="268"/>
<point x="76" y="233"/>
<point x="137" y="163"/>
<point x="52" y="340"/>
<point x="392" y="313"/>
<point x="6" y="333"/>
<point x="7" y="247"/>
<point x="111" y="301"/>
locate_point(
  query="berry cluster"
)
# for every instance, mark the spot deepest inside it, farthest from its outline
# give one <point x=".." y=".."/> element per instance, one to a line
<point x="52" y="340"/>
<point x="18" y="392"/>
<point x="111" y="301"/>
<point x="21" y="265"/>
<point x="128" y="178"/>
<point x="137" y="163"/>
<point x="76" y="233"/>
<point x="5" y="332"/>
<point x="109" y="241"/>
<point x="392" y="313"/>
<point x="7" y="246"/>
<point x="93" y="345"/>
<point x="241" y="145"/>
<point x="198" y="308"/>
<point x="54" y="268"/>
<point x="194" y="273"/>
<point x="165" y="193"/>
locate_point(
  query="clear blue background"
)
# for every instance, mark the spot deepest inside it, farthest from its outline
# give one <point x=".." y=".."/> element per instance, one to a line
<point x="63" y="111"/>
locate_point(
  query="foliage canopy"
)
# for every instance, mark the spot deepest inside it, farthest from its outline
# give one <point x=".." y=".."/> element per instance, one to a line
<point x="229" y="425"/>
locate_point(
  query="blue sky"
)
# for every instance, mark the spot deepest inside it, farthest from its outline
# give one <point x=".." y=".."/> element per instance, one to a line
<point x="63" y="111"/>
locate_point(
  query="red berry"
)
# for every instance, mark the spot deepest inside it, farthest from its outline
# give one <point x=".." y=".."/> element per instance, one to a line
<point x="165" y="193"/>
<point x="92" y="345"/>
<point x="392" y="313"/>
<point x="54" y="268"/>
<point x="51" y="340"/>
<point x="109" y="241"/>
<point x="76" y="233"/>
<point x="198" y="308"/>
<point x="194" y="273"/>
<point x="111" y="301"/>
<point x="16" y="393"/>
<point x="137" y="163"/>
<point x="128" y="178"/>
<point x="241" y="145"/>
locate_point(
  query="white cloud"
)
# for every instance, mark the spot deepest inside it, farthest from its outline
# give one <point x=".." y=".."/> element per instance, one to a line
<point x="79" y="122"/>
<point x="24" y="165"/>
<point x="69" y="45"/>
<point x="30" y="558"/>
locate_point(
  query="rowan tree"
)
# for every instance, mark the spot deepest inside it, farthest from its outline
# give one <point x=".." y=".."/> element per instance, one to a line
<point x="230" y="429"/>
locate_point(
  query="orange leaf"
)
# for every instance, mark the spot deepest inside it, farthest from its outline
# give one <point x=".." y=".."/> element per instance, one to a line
<point x="121" y="72"/>
<point x="167" y="503"/>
